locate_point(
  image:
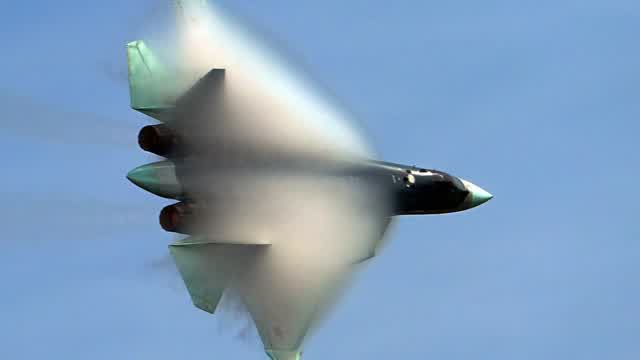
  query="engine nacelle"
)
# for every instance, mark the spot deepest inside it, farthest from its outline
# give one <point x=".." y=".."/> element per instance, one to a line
<point x="158" y="139"/>
<point x="178" y="218"/>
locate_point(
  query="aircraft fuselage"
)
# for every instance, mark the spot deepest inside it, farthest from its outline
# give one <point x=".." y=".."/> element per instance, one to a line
<point x="414" y="190"/>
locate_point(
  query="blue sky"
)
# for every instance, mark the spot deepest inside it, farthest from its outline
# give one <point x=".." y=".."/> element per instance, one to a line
<point x="536" y="101"/>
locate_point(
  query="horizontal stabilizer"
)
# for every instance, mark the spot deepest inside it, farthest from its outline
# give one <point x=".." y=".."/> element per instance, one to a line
<point x="284" y="355"/>
<point x="153" y="89"/>
<point x="207" y="266"/>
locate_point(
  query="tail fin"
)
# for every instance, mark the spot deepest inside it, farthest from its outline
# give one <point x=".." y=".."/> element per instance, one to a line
<point x="149" y="81"/>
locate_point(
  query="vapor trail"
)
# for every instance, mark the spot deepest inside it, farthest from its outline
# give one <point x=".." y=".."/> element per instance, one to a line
<point x="26" y="117"/>
<point x="51" y="217"/>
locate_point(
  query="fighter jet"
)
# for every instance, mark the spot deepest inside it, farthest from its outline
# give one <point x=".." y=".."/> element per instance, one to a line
<point x="277" y="191"/>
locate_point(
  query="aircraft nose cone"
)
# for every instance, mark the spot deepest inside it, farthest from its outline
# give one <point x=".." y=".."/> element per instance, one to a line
<point x="478" y="195"/>
<point x="157" y="178"/>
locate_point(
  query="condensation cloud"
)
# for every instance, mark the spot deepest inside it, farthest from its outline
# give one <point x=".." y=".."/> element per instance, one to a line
<point x="270" y="160"/>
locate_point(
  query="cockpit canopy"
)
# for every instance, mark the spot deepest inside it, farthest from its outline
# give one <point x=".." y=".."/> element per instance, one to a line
<point x="436" y="189"/>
